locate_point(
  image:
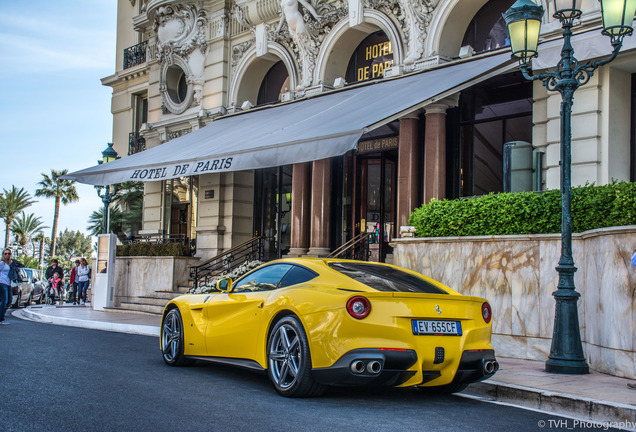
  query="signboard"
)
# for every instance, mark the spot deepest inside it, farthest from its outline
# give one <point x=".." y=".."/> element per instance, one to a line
<point x="370" y="59"/>
<point x="378" y="145"/>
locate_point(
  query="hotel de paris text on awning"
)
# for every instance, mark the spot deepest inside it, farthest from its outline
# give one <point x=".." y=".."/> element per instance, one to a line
<point x="314" y="128"/>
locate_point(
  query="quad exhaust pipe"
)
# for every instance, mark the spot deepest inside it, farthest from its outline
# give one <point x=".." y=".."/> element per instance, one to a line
<point x="373" y="367"/>
<point x="490" y="367"/>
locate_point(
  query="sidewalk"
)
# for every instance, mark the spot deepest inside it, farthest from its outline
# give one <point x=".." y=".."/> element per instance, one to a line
<point x="595" y="397"/>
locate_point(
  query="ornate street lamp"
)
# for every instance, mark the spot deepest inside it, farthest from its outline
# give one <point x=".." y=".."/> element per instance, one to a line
<point x="107" y="193"/>
<point x="523" y="20"/>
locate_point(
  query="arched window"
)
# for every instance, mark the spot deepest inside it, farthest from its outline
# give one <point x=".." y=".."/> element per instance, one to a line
<point x="275" y="83"/>
<point x="487" y="31"/>
<point x="373" y="55"/>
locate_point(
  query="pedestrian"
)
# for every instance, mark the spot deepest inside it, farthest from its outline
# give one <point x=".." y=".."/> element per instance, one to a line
<point x="54" y="268"/>
<point x="8" y="273"/>
<point x="56" y="284"/>
<point x="83" y="272"/>
<point x="73" y="281"/>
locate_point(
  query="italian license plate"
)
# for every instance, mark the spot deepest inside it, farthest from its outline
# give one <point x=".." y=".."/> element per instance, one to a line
<point x="429" y="327"/>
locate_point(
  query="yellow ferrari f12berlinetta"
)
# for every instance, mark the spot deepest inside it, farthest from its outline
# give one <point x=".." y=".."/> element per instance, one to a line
<point x="313" y="322"/>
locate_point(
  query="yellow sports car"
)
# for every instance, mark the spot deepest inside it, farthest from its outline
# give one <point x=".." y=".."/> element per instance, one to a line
<point x="312" y="322"/>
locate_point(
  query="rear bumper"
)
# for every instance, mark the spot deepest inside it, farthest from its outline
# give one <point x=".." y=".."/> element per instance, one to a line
<point x="476" y="366"/>
<point x="393" y="366"/>
<point x="375" y="367"/>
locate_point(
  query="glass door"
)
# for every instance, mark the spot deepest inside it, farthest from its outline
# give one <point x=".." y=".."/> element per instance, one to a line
<point x="376" y="201"/>
<point x="272" y="210"/>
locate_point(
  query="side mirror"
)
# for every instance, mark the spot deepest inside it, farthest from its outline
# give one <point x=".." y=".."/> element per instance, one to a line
<point x="224" y="285"/>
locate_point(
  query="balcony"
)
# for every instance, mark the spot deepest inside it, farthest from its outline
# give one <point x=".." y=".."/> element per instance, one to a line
<point x="135" y="55"/>
<point x="136" y="143"/>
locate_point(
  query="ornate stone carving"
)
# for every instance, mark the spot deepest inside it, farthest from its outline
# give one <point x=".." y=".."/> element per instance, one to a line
<point x="181" y="41"/>
<point x="413" y="17"/>
<point x="302" y="35"/>
<point x="417" y="16"/>
<point x="180" y="30"/>
<point x="239" y="50"/>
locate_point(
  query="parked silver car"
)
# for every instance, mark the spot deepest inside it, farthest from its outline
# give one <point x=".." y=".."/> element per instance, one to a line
<point x="30" y="290"/>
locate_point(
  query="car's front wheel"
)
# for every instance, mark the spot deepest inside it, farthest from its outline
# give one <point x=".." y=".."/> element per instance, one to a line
<point x="172" y="341"/>
<point x="289" y="360"/>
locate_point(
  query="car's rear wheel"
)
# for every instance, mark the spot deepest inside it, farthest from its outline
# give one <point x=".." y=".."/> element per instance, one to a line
<point x="289" y="360"/>
<point x="172" y="341"/>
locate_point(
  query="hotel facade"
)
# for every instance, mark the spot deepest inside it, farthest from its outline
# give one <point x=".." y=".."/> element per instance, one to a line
<point x="311" y="122"/>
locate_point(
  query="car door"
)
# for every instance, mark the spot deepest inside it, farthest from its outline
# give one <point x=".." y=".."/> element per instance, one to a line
<point x="26" y="286"/>
<point x="235" y="318"/>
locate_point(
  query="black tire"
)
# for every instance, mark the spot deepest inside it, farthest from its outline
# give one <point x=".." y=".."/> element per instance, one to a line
<point x="172" y="340"/>
<point x="289" y="360"/>
<point x="17" y="303"/>
<point x="29" y="301"/>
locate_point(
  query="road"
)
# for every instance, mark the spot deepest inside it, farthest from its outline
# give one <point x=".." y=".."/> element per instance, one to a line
<point x="71" y="379"/>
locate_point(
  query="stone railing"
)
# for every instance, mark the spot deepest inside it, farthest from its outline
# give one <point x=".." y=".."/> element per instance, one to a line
<point x="517" y="275"/>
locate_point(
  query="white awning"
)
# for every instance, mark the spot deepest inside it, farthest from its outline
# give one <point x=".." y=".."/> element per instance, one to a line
<point x="310" y="129"/>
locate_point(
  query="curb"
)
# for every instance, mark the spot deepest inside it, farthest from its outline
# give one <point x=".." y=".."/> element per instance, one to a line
<point x="138" y="329"/>
<point x="593" y="410"/>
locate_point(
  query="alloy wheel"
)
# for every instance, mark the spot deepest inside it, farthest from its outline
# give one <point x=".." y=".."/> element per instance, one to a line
<point x="285" y="356"/>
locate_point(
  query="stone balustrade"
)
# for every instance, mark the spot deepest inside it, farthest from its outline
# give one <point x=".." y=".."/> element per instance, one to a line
<point x="517" y="275"/>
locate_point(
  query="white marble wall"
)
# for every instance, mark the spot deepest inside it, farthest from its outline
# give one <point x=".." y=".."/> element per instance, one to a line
<point x="142" y="276"/>
<point x="517" y="275"/>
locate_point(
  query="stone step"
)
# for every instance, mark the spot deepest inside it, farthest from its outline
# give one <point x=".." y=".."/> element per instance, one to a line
<point x="156" y="300"/>
<point x="166" y="295"/>
<point x="131" y="311"/>
<point x="143" y="307"/>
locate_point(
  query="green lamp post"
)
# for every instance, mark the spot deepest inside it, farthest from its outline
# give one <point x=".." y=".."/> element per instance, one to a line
<point x="108" y="192"/>
<point x="524" y="22"/>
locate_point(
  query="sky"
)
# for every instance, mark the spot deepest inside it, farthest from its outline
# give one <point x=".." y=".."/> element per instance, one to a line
<point x="54" y="111"/>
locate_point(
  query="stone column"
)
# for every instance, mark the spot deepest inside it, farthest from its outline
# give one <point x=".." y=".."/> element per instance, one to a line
<point x="300" y="209"/>
<point x="320" y="207"/>
<point x="435" y="149"/>
<point x="408" y="168"/>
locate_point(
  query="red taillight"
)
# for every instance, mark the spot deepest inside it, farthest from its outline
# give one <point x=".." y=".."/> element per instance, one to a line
<point x="486" y="312"/>
<point x="358" y="307"/>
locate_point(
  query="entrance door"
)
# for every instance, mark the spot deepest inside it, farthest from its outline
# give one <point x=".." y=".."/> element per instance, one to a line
<point x="272" y="209"/>
<point x="179" y="220"/>
<point x="376" y="190"/>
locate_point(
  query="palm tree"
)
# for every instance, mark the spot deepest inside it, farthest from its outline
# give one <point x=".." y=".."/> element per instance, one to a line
<point x="26" y="227"/>
<point x="96" y="221"/>
<point x="11" y="203"/>
<point x="62" y="190"/>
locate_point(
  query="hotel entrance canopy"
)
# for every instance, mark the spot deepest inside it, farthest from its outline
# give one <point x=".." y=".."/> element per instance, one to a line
<point x="309" y="129"/>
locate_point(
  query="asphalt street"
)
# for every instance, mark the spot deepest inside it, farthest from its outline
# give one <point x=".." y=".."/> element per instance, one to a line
<point x="72" y="379"/>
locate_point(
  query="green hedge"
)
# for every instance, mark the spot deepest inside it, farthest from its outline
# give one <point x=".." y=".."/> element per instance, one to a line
<point x="527" y="212"/>
<point x="152" y="249"/>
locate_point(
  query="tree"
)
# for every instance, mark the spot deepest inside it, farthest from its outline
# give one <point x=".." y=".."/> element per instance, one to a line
<point x="26" y="227"/>
<point x="11" y="203"/>
<point x="62" y="190"/>
<point x="72" y="244"/>
<point x="96" y="221"/>
<point x="130" y="201"/>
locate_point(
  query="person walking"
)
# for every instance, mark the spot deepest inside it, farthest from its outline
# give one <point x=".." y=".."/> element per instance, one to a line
<point x="83" y="272"/>
<point x="73" y="281"/>
<point x="8" y="273"/>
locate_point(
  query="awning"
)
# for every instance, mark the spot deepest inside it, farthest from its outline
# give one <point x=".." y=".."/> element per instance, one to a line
<point x="310" y="129"/>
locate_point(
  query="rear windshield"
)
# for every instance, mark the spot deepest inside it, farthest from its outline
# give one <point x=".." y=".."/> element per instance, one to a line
<point x="384" y="278"/>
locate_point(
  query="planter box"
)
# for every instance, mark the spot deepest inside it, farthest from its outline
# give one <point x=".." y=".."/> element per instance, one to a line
<point x="517" y="275"/>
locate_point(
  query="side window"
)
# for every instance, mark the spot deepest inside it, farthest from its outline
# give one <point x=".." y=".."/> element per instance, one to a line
<point x="297" y="275"/>
<point x="265" y="279"/>
<point x="24" y="276"/>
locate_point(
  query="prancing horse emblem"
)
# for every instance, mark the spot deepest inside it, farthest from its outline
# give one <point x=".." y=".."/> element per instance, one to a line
<point x="438" y="310"/>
